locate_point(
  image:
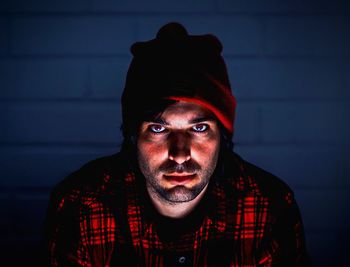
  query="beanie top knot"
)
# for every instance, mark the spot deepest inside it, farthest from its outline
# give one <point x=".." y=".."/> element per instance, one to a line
<point x="172" y="31"/>
<point x="173" y="36"/>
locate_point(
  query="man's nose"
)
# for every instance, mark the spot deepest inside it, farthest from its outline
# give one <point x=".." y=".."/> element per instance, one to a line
<point x="179" y="147"/>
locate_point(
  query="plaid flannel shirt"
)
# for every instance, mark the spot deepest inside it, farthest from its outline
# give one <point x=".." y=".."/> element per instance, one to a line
<point x="101" y="216"/>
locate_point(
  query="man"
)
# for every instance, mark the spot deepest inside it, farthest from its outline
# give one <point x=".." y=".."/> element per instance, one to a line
<point x="176" y="194"/>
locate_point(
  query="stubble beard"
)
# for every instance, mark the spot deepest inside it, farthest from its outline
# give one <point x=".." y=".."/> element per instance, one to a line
<point x="178" y="193"/>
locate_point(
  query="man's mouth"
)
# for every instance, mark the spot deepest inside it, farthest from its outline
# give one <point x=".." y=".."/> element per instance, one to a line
<point x="177" y="178"/>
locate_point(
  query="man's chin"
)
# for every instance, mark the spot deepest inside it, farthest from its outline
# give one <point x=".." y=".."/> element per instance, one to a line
<point x="179" y="194"/>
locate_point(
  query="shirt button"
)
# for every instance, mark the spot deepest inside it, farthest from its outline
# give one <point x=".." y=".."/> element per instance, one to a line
<point x="182" y="259"/>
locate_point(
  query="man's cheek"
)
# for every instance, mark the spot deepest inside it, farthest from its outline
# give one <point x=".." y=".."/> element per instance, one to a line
<point x="152" y="156"/>
<point x="205" y="150"/>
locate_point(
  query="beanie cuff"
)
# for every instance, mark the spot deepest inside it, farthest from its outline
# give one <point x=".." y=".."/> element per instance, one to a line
<point x="225" y="119"/>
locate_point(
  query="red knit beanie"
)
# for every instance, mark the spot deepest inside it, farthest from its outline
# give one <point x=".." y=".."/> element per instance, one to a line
<point x="177" y="66"/>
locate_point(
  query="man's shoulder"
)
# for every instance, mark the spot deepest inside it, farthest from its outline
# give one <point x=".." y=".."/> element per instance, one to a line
<point x="261" y="182"/>
<point x="91" y="179"/>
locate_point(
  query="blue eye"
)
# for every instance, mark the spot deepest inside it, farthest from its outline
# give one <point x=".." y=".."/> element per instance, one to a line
<point x="157" y="128"/>
<point x="200" y="128"/>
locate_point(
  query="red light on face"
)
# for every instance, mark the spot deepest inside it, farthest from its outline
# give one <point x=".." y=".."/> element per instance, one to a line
<point x="178" y="151"/>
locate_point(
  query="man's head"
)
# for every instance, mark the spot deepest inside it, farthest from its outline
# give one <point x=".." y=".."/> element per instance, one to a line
<point x="178" y="110"/>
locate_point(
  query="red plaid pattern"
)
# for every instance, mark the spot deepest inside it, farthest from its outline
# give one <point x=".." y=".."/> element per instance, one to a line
<point x="101" y="216"/>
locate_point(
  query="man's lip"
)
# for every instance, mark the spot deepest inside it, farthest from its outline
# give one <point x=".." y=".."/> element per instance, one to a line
<point x="179" y="178"/>
<point x="179" y="174"/>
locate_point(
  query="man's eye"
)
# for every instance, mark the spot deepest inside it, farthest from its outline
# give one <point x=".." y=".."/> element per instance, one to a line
<point x="200" y="128"/>
<point x="156" y="128"/>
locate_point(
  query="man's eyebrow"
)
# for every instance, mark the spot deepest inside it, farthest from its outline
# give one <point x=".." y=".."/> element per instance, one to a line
<point x="202" y="119"/>
<point x="192" y="121"/>
<point x="159" y="120"/>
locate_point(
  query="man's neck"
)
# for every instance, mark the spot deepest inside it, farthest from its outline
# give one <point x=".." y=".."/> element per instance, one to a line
<point x="176" y="210"/>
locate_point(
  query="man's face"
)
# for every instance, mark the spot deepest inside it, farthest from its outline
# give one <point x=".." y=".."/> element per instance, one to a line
<point x="178" y="152"/>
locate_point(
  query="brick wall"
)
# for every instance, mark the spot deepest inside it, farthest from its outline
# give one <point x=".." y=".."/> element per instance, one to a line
<point x="62" y="70"/>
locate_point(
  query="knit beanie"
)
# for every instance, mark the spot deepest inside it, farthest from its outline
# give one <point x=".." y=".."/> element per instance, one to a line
<point x="179" y="67"/>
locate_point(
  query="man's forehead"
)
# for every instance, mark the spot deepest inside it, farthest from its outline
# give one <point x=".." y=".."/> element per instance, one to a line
<point x="185" y="112"/>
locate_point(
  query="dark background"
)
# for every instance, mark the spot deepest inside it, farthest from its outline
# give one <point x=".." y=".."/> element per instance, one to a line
<point x="62" y="70"/>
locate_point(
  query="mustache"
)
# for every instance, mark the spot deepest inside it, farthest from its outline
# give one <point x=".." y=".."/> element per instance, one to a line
<point x="171" y="166"/>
